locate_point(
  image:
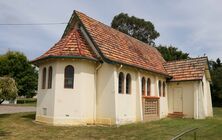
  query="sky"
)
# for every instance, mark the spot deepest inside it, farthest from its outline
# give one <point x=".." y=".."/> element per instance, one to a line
<point x="193" y="26"/>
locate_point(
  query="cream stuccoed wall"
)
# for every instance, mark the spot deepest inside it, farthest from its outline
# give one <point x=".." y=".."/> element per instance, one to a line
<point x="155" y="78"/>
<point x="163" y="102"/>
<point x="207" y="97"/>
<point x="45" y="97"/>
<point x="71" y="106"/>
<point x="126" y="103"/>
<point x="105" y="98"/>
<point x="187" y="97"/>
<point x="203" y="98"/>
<point x="129" y="106"/>
<point x="196" y="97"/>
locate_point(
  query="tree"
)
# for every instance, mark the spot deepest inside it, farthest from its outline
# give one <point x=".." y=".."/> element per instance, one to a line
<point x="17" y="66"/>
<point x="170" y="53"/>
<point x="216" y="87"/>
<point x="8" y="89"/>
<point x="218" y="62"/>
<point x="135" y="27"/>
<point x="145" y="32"/>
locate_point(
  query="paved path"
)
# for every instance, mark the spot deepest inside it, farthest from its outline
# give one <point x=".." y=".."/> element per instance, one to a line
<point x="8" y="109"/>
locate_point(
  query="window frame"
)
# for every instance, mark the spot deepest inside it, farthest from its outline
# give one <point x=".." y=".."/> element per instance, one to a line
<point x="160" y="87"/>
<point x="164" y="89"/>
<point x="44" y="72"/>
<point x="121" y="83"/>
<point x="128" y="83"/>
<point x="143" y="86"/>
<point x="69" y="76"/>
<point x="148" y="87"/>
<point x="50" y="72"/>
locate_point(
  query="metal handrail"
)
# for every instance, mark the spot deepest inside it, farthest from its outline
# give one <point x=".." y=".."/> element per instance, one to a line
<point x="179" y="136"/>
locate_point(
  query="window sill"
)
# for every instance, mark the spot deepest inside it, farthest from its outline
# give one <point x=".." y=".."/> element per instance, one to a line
<point x="151" y="97"/>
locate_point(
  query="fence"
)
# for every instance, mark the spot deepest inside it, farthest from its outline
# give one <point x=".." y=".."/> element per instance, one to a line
<point x="183" y="134"/>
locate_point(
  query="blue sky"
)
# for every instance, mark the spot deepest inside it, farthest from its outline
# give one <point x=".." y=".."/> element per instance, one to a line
<point x="194" y="27"/>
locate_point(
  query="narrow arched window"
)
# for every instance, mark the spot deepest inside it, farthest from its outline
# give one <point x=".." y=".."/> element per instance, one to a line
<point x="43" y="78"/>
<point x="164" y="89"/>
<point x="69" y="77"/>
<point x="121" y="83"/>
<point x="143" y="82"/>
<point x="128" y="84"/>
<point x="148" y="87"/>
<point x="160" y="88"/>
<point x="50" y="77"/>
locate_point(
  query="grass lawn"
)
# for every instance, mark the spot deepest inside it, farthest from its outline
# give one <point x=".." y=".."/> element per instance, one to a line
<point x="21" y="126"/>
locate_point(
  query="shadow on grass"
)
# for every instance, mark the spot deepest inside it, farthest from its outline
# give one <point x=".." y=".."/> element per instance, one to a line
<point x="29" y="116"/>
<point x="4" y="133"/>
<point x="4" y="115"/>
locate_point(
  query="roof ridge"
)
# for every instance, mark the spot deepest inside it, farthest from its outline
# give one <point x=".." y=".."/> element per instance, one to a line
<point x="116" y="30"/>
<point x="107" y="38"/>
<point x="77" y="41"/>
<point x="72" y="45"/>
<point x="188" y="59"/>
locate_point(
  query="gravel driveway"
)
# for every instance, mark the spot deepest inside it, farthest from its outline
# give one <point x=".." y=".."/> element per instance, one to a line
<point x="8" y="109"/>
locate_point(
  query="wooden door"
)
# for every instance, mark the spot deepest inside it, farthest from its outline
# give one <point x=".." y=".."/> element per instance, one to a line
<point x="177" y="100"/>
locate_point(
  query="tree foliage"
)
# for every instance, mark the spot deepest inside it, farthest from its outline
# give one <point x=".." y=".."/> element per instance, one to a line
<point x="8" y="89"/>
<point x="135" y="27"/>
<point x="17" y="66"/>
<point x="216" y="87"/>
<point x="145" y="32"/>
<point x="170" y="53"/>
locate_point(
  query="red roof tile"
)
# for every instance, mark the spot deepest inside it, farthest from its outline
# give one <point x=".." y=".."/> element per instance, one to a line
<point x="119" y="47"/>
<point x="184" y="70"/>
<point x="71" y="45"/>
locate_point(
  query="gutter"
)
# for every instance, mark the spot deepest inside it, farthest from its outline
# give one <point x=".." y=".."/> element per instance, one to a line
<point x="65" y="57"/>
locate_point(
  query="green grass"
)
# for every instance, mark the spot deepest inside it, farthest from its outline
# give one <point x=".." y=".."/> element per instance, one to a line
<point x="21" y="127"/>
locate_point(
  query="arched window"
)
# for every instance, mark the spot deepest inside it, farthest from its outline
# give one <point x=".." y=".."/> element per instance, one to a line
<point x="164" y="89"/>
<point x="128" y="84"/>
<point x="160" y="88"/>
<point x="121" y="83"/>
<point x="43" y="78"/>
<point x="143" y="82"/>
<point x="148" y="87"/>
<point x="69" y="77"/>
<point x="50" y="77"/>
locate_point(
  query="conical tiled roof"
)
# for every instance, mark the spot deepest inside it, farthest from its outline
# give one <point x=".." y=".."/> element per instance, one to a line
<point x="71" y="45"/>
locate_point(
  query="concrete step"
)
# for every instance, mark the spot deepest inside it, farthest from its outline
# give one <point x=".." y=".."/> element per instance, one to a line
<point x="176" y="115"/>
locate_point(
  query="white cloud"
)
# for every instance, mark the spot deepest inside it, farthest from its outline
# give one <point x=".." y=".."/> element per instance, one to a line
<point x="193" y="26"/>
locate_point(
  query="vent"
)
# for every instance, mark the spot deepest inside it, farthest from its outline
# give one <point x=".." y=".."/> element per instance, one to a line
<point x="44" y="111"/>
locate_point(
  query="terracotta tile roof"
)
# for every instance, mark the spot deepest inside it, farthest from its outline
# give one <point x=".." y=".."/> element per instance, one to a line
<point x="118" y="47"/>
<point x="190" y="69"/>
<point x="71" y="45"/>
